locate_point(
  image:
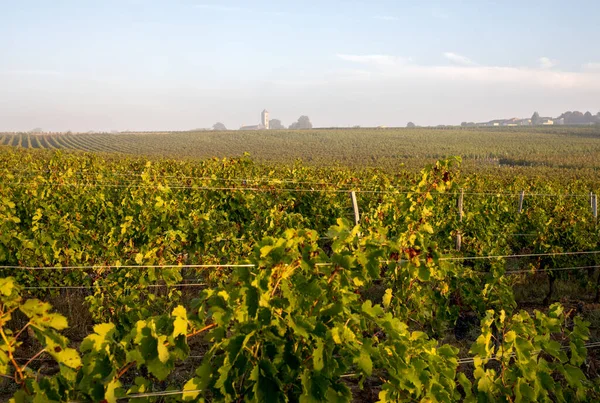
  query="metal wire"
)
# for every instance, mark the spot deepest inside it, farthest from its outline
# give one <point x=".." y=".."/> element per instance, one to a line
<point x="255" y="189"/>
<point x="171" y="266"/>
<point x="205" y="178"/>
<point x="181" y="392"/>
<point x="509" y="272"/>
<point x="89" y="287"/>
<point x="470" y="360"/>
<point x="456" y="258"/>
<point x="519" y="256"/>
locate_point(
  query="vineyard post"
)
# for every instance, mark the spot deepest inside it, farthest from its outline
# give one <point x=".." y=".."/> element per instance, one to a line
<point x="355" y="207"/>
<point x="460" y="218"/>
<point x="595" y="206"/>
<point x="521" y="197"/>
<point x="592" y="200"/>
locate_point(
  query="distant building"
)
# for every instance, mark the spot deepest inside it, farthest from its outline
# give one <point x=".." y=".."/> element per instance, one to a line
<point x="547" y="122"/>
<point x="510" y="122"/>
<point x="264" y="122"/>
<point x="254" y="127"/>
<point x="265" y="119"/>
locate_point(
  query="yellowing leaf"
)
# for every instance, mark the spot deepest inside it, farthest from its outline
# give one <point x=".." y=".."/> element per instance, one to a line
<point x="191" y="389"/>
<point x="427" y="228"/>
<point x="7" y="285"/>
<point x="387" y="298"/>
<point x="56" y="321"/>
<point x="180" y="324"/>
<point x="66" y="356"/>
<point x="37" y="311"/>
<point x="110" y="395"/>
<point x="163" y="351"/>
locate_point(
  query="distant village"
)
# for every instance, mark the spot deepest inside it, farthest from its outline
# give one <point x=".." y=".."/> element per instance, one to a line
<point x="303" y="122"/>
<point x="574" y="118"/>
<point x="518" y="122"/>
<point x="543" y="121"/>
<point x="567" y="118"/>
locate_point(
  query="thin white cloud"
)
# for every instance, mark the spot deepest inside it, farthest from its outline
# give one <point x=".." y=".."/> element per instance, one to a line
<point x="378" y="60"/>
<point x="547" y="63"/>
<point x="591" y="66"/>
<point x="386" y="67"/>
<point x="386" y="18"/>
<point x="459" y="59"/>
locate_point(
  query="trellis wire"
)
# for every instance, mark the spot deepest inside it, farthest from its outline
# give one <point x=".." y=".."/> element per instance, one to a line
<point x="169" y="266"/>
<point x="181" y="392"/>
<point x="227" y="265"/>
<point x="256" y="189"/>
<point x="89" y="287"/>
<point x="470" y="360"/>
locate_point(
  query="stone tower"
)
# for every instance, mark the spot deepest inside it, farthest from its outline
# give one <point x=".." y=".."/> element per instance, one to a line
<point x="264" y="119"/>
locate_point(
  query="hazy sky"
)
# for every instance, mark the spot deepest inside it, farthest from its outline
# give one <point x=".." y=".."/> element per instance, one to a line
<point x="182" y="64"/>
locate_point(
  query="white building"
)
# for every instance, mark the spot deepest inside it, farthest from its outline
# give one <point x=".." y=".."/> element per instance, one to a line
<point x="264" y="122"/>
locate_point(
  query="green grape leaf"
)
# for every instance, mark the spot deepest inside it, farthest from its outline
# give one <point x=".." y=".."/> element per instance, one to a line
<point x="364" y="362"/>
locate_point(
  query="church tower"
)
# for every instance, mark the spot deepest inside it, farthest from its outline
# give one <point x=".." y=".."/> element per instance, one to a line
<point x="264" y="119"/>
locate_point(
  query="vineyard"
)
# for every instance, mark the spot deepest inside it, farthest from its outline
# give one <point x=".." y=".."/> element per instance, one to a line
<point x="544" y="148"/>
<point x="124" y="277"/>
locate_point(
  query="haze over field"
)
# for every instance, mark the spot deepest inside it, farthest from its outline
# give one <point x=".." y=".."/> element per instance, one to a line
<point x="178" y="65"/>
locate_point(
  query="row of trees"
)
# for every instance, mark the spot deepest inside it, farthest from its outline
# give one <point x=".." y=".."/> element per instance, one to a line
<point x="571" y="118"/>
<point x="303" y="122"/>
<point x="579" y="118"/>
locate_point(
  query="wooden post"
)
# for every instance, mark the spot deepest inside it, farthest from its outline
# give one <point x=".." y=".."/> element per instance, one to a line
<point x="460" y="218"/>
<point x="592" y="200"/>
<point x="460" y="205"/>
<point x="355" y="207"/>
<point x="521" y="197"/>
<point x="595" y="206"/>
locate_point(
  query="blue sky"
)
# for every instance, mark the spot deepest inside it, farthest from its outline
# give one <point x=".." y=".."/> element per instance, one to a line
<point x="181" y="64"/>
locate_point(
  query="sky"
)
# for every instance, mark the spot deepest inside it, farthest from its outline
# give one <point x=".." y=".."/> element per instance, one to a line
<point x="182" y="64"/>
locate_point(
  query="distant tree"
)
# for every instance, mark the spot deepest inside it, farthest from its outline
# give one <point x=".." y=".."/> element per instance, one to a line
<point x="578" y="118"/>
<point x="535" y="119"/>
<point x="411" y="124"/>
<point x="356" y="127"/>
<point x="276" y="124"/>
<point x="464" y="124"/>
<point x="302" y="123"/>
<point x="219" y="126"/>
<point x="37" y="130"/>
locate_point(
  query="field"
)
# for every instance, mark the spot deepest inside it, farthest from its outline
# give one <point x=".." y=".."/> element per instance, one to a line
<point x="562" y="147"/>
<point x="167" y="274"/>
